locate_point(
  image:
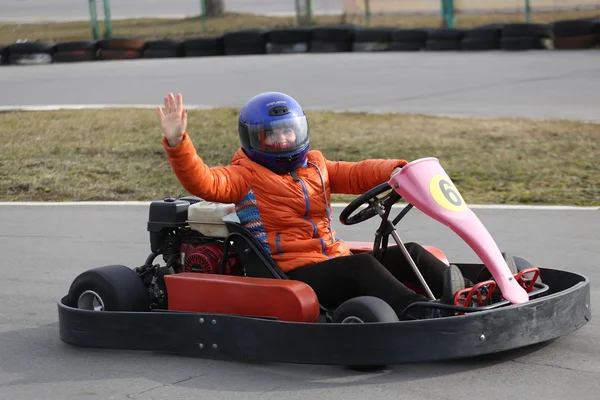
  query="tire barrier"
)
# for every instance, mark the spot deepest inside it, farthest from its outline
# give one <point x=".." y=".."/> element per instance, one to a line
<point x="565" y="34"/>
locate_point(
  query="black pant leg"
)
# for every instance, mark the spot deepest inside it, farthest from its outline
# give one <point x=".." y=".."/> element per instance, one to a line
<point x="429" y="265"/>
<point x="342" y="278"/>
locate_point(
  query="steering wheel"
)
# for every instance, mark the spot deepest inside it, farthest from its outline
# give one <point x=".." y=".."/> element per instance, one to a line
<point x="374" y="202"/>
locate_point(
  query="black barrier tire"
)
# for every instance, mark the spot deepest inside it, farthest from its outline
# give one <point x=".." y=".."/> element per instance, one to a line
<point x="164" y="44"/>
<point x="31" y="48"/>
<point x="576" y="42"/>
<point x="334" y="33"/>
<point x="288" y="35"/>
<point x="522" y="43"/>
<point x="520" y="30"/>
<point x="30" y="59"/>
<point x="240" y="50"/>
<point x="203" y="47"/>
<point x="3" y="55"/>
<point x="575" y="27"/>
<point x="119" y="54"/>
<point x="380" y="35"/>
<point x="28" y="53"/>
<point x="119" y="288"/>
<point x="442" y="45"/>
<point x="484" y="33"/>
<point x="409" y="35"/>
<point x="248" y="41"/>
<point x="332" y="39"/>
<point x="320" y="46"/>
<point x="445" y="34"/>
<point x="406" y="46"/>
<point x="370" y="46"/>
<point x="74" y="56"/>
<point x="67" y="47"/>
<point x="469" y="44"/>
<point x="161" y="53"/>
<point x="286" y="48"/>
<point x="244" y="37"/>
<point x="372" y="39"/>
<point x="122" y="44"/>
<point x="165" y="48"/>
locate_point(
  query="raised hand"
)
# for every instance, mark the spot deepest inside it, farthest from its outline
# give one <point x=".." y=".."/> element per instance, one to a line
<point x="174" y="119"/>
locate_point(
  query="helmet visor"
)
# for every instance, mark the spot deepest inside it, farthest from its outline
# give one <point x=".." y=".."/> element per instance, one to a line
<point x="279" y="136"/>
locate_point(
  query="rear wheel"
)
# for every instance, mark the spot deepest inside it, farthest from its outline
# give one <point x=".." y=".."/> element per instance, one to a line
<point x="109" y="288"/>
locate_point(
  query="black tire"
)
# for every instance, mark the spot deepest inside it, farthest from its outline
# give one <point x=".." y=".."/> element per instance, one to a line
<point x="370" y="46"/>
<point x="491" y="32"/>
<point x="245" y="42"/>
<point x="575" y="27"/>
<point x="522" y="43"/>
<point x="515" y="265"/>
<point x="519" y="30"/>
<point x="289" y="36"/>
<point x="479" y="44"/>
<point x="406" y="46"/>
<point x="203" y="47"/>
<point x="576" y="42"/>
<point x="74" y="56"/>
<point x="122" y="44"/>
<point x="76" y="46"/>
<point x="445" y="34"/>
<point x="442" y="45"/>
<point x="118" y="287"/>
<point x="286" y="48"/>
<point x="521" y="265"/>
<point x="364" y="309"/>
<point x="120" y="54"/>
<point x="321" y="46"/>
<point x="409" y="35"/>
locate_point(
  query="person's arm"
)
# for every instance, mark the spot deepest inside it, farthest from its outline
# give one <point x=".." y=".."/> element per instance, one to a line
<point x="358" y="177"/>
<point x="222" y="184"/>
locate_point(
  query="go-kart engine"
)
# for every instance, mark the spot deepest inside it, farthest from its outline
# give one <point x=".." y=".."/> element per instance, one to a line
<point x="207" y="258"/>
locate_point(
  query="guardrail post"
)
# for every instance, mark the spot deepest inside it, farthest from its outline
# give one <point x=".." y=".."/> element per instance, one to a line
<point x="448" y="13"/>
<point x="203" y="14"/>
<point x="94" y="19"/>
<point x="107" y="20"/>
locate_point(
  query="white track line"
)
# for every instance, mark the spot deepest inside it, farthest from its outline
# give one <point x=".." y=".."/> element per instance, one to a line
<point x="56" y="107"/>
<point x="335" y="205"/>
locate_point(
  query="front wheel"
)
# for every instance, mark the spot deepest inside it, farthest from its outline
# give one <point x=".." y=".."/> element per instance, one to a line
<point x="109" y="288"/>
<point x="364" y="309"/>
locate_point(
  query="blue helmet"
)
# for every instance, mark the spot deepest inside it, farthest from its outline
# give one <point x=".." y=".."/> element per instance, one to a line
<point x="274" y="132"/>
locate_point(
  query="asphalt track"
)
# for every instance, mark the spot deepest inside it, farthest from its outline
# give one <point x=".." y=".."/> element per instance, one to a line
<point x="545" y="84"/>
<point x="45" y="247"/>
<point x="64" y="10"/>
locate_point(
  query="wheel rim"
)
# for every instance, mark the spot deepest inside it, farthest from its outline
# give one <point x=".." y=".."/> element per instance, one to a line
<point x="90" y="300"/>
<point x="352" y="320"/>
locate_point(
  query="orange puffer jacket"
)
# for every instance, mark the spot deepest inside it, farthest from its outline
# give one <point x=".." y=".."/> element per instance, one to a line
<point x="290" y="216"/>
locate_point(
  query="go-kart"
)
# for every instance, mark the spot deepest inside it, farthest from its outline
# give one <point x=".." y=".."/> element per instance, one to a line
<point x="219" y="293"/>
